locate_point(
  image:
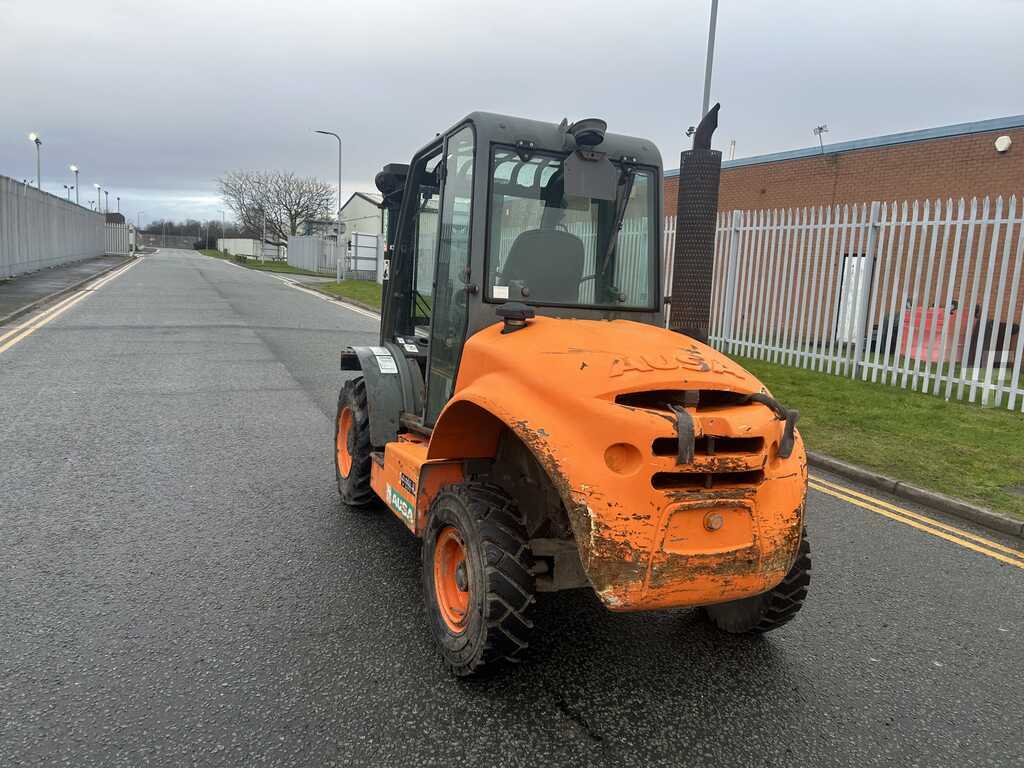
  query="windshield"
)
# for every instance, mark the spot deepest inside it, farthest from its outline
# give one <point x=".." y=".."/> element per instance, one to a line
<point x="548" y="248"/>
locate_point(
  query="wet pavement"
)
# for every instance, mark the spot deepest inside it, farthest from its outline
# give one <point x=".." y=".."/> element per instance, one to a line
<point x="179" y="585"/>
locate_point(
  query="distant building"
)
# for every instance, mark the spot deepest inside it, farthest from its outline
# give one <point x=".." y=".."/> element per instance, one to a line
<point x="361" y="213"/>
<point x="952" y="161"/>
<point x="325" y="228"/>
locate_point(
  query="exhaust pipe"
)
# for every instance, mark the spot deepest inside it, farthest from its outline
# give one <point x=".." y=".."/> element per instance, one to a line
<point x="700" y="171"/>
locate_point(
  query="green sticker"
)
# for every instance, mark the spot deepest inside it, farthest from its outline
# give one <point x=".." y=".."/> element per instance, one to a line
<point x="401" y="505"/>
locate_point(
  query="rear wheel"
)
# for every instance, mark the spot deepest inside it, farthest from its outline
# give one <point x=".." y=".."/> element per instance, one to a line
<point x="477" y="581"/>
<point x="352" y="445"/>
<point x="772" y="609"/>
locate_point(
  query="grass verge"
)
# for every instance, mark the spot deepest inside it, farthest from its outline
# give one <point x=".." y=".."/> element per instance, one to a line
<point x="959" y="449"/>
<point x="265" y="266"/>
<point x="363" y="292"/>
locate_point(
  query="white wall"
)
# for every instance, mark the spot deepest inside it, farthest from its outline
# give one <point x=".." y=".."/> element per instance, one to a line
<point x="39" y="230"/>
<point x="238" y="246"/>
<point x="244" y="246"/>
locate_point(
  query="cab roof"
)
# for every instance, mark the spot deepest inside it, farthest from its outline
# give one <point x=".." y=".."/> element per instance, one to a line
<point x="506" y="129"/>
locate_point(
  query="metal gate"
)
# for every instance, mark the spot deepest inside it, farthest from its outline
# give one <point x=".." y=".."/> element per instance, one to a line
<point x="362" y="259"/>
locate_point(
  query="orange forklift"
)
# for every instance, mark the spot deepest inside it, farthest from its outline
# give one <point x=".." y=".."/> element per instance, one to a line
<point x="529" y="417"/>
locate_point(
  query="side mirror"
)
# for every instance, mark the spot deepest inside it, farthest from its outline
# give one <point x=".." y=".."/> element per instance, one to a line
<point x="590" y="174"/>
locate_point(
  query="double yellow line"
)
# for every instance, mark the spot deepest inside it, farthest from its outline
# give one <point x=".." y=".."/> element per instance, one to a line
<point x="9" y="338"/>
<point x="950" y="533"/>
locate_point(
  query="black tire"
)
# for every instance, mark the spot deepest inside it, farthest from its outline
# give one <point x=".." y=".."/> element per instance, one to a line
<point x="497" y="572"/>
<point x="772" y="609"/>
<point x="354" y="486"/>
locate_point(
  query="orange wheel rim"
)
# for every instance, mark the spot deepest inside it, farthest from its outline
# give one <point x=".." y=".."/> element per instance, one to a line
<point x="451" y="579"/>
<point x="344" y="435"/>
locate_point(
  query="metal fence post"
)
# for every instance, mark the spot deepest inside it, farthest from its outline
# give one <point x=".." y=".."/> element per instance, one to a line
<point x="863" y="287"/>
<point x="731" y="270"/>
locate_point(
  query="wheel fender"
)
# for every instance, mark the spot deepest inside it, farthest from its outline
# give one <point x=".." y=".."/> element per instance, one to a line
<point x="471" y="425"/>
<point x="391" y="387"/>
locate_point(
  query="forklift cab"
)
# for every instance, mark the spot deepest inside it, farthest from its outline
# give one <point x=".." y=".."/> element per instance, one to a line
<point x="563" y="219"/>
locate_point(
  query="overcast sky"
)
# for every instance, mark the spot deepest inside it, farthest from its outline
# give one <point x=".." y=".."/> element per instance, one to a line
<point x="155" y="99"/>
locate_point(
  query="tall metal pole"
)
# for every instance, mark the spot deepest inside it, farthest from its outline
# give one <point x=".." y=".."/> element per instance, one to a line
<point x="263" y="237"/>
<point x="74" y="169"/>
<point x="106" y="201"/>
<point x="338" y="243"/>
<point x="118" y="203"/>
<point x="711" y="58"/>
<point x="222" y="235"/>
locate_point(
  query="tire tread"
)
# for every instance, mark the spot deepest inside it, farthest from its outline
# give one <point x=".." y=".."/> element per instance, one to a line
<point x="508" y="574"/>
<point x="355" y="490"/>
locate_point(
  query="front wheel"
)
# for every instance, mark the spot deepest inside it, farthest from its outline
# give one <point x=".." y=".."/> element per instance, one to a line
<point x="772" y="609"/>
<point x="352" y="445"/>
<point x="477" y="579"/>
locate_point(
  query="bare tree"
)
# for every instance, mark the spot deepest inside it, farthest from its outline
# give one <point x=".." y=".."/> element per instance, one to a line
<point x="287" y="200"/>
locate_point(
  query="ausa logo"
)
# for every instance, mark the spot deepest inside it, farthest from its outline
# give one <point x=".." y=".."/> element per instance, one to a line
<point x="687" y="359"/>
<point x="401" y="505"/>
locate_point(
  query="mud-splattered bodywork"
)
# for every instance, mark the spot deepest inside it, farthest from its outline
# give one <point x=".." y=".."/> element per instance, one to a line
<point x="593" y="402"/>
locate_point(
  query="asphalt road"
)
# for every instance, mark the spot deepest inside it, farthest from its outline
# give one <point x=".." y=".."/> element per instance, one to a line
<point x="180" y="586"/>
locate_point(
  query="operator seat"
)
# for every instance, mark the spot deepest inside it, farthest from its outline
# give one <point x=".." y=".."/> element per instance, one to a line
<point x="549" y="262"/>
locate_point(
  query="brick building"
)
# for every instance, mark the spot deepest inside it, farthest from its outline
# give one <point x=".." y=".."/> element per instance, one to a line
<point x="972" y="284"/>
<point x="952" y="161"/>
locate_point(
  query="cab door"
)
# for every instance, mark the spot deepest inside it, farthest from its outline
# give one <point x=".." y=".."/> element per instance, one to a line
<point x="450" y="299"/>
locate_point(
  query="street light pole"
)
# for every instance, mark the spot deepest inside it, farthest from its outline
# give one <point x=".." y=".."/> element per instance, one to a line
<point x="711" y="59"/>
<point x="118" y="203"/>
<point x="34" y="138"/>
<point x="74" y="170"/>
<point x="99" y="198"/>
<point x="337" y="245"/>
<point x="222" y="235"/>
<point x="106" y="201"/>
<point x="263" y="238"/>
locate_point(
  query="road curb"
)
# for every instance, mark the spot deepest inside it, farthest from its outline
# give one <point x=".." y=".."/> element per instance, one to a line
<point x="62" y="292"/>
<point x="346" y="300"/>
<point x="980" y="515"/>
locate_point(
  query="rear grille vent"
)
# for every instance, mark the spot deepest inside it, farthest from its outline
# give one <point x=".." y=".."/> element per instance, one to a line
<point x="664" y="399"/>
<point x="696" y="481"/>
<point x="708" y="445"/>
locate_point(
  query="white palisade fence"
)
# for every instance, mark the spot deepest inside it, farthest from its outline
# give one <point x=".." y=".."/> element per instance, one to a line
<point x="313" y="254"/>
<point x="118" y="238"/>
<point x="924" y="295"/>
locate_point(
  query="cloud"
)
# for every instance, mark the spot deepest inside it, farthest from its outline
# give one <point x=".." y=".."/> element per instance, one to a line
<point x="157" y="100"/>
